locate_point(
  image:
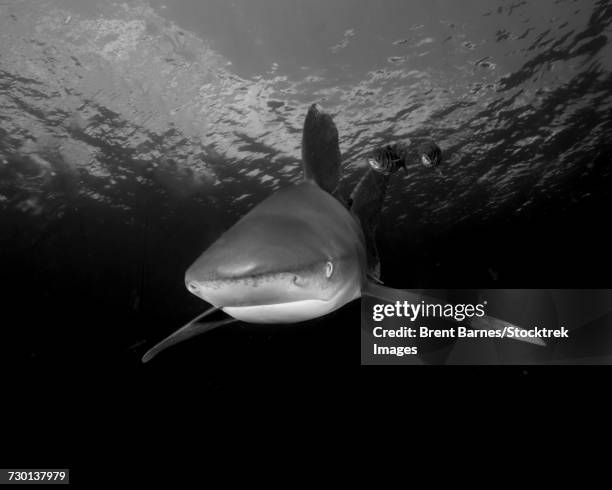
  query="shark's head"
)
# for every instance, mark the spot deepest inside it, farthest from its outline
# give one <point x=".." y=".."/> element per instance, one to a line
<point x="296" y="256"/>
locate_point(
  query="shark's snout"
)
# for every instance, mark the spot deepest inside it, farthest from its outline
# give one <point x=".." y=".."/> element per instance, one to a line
<point x="192" y="286"/>
<point x="205" y="290"/>
<point x="246" y="290"/>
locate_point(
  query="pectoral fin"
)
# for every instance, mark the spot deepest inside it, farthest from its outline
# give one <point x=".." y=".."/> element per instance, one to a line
<point x="187" y="331"/>
<point x="491" y="323"/>
<point x="391" y="295"/>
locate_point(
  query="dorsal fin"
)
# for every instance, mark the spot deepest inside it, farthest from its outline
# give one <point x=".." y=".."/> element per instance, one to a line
<point x="320" y="149"/>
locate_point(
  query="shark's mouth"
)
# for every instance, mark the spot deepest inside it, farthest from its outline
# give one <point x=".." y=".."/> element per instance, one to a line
<point x="274" y="298"/>
<point x="262" y="289"/>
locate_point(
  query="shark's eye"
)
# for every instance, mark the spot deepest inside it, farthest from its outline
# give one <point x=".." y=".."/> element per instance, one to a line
<point x="329" y="269"/>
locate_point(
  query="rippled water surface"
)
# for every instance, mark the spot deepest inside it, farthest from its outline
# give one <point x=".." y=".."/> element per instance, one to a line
<point x="132" y="134"/>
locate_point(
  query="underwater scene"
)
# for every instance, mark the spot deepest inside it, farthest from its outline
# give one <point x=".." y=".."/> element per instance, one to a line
<point x="133" y="134"/>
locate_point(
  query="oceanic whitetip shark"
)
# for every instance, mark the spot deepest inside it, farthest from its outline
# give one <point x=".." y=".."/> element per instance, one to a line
<point x="298" y="255"/>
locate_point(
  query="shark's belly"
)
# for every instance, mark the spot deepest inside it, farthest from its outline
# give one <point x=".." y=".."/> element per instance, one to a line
<point x="291" y="312"/>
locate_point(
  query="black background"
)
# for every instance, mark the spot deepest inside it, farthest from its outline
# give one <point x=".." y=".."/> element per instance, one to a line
<point x="75" y="385"/>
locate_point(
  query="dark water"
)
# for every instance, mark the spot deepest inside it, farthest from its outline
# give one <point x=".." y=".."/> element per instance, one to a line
<point x="132" y="135"/>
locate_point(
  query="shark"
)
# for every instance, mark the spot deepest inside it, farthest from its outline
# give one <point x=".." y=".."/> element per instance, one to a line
<point x="298" y="255"/>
